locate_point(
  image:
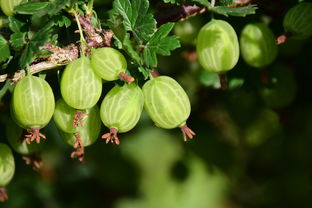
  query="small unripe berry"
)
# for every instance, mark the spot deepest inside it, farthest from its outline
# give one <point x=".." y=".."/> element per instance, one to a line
<point x="257" y="43"/>
<point x="298" y="20"/>
<point x="7" y="165"/>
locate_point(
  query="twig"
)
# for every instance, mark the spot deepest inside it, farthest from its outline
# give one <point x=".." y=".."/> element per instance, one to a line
<point x="59" y="57"/>
<point x="177" y="13"/>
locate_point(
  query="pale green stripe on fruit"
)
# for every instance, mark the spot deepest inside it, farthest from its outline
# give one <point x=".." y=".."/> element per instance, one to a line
<point x="80" y="86"/>
<point x="33" y="102"/>
<point x="122" y="106"/>
<point x="217" y="46"/>
<point x="7" y="165"/>
<point x="166" y="102"/>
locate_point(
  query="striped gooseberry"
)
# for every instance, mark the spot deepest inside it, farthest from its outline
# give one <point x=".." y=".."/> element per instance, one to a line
<point x="167" y="104"/>
<point x="15" y="134"/>
<point x="7" y="6"/>
<point x="281" y="80"/>
<point x="32" y="105"/>
<point x="257" y="44"/>
<point x="86" y="134"/>
<point x="7" y="169"/>
<point x="64" y="117"/>
<point x="80" y="87"/>
<point x="297" y="20"/>
<point x="121" y="110"/>
<point x="187" y="30"/>
<point x="30" y="152"/>
<point x="110" y="64"/>
<point x="217" y="46"/>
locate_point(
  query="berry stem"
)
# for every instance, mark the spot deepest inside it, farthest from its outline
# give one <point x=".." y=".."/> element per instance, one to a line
<point x="3" y="194"/>
<point x="264" y="76"/>
<point x="223" y="81"/>
<point x="34" y="134"/>
<point x="111" y="136"/>
<point x="123" y="76"/>
<point x="187" y="132"/>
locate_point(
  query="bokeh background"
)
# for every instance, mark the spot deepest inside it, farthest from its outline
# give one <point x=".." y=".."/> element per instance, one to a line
<point x="249" y="151"/>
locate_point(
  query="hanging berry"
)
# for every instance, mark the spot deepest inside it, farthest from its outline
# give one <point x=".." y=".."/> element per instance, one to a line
<point x="167" y="104"/>
<point x="121" y="110"/>
<point x="32" y="106"/>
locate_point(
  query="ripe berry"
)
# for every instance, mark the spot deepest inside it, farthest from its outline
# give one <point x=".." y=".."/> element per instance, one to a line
<point x="217" y="46"/>
<point x="167" y="104"/>
<point x="32" y="105"/>
<point x="7" y="6"/>
<point x="81" y="88"/>
<point x="121" y="110"/>
<point x="110" y="64"/>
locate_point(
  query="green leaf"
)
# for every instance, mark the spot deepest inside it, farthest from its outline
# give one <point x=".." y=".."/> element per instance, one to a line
<point x="4" y="49"/>
<point x="116" y="25"/>
<point x="209" y="79"/>
<point x="31" y="7"/>
<point x="226" y="2"/>
<point x="178" y="2"/>
<point x="5" y="89"/>
<point x="145" y="71"/>
<point x="26" y="57"/>
<point x="234" y="11"/>
<point x="205" y="3"/>
<point x="32" y="50"/>
<point x="159" y="43"/>
<point x="62" y="20"/>
<point x="16" y="25"/>
<point x="17" y="40"/>
<point x="136" y="17"/>
<point x="56" y="6"/>
<point x="127" y="45"/>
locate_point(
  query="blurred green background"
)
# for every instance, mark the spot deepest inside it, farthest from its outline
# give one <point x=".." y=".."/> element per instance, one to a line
<point x="249" y="150"/>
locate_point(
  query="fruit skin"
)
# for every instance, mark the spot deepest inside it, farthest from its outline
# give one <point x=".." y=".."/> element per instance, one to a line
<point x="7" y="6"/>
<point x="166" y="102"/>
<point x="217" y="46"/>
<point x="7" y="165"/>
<point x="90" y="131"/>
<point x="63" y="117"/>
<point x="283" y="87"/>
<point x="122" y="107"/>
<point x="108" y="63"/>
<point x="32" y="102"/>
<point x="257" y="44"/>
<point x="14" y="133"/>
<point x="187" y="30"/>
<point x="297" y="20"/>
<point x="81" y="88"/>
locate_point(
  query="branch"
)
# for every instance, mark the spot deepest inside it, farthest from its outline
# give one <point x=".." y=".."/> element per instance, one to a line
<point x="96" y="37"/>
<point x="177" y="13"/>
<point x="59" y="57"/>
